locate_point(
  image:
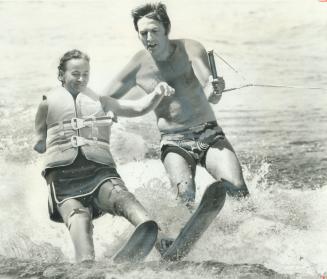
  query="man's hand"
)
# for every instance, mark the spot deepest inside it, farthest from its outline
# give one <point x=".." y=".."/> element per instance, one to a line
<point x="164" y="89"/>
<point x="217" y="88"/>
<point x="218" y="85"/>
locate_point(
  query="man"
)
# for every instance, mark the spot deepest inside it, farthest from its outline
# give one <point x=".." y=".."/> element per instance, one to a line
<point x="189" y="131"/>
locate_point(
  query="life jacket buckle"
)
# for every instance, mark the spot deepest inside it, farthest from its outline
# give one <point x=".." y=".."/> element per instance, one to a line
<point x="77" y="123"/>
<point x="77" y="141"/>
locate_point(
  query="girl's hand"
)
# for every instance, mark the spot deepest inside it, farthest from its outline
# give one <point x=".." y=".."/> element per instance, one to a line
<point x="164" y="89"/>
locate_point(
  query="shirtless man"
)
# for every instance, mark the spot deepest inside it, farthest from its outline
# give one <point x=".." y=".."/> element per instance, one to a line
<point x="189" y="131"/>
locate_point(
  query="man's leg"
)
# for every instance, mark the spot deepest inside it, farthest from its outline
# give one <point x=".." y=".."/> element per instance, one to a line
<point x="78" y="220"/>
<point x="222" y="163"/>
<point x="181" y="175"/>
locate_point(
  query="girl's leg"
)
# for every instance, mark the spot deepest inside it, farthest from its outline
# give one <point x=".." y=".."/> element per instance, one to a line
<point x="78" y="220"/>
<point x="113" y="197"/>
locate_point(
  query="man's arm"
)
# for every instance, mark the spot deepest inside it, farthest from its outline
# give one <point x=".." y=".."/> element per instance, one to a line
<point x="132" y="108"/>
<point x="41" y="127"/>
<point x="213" y="88"/>
<point x="125" y="80"/>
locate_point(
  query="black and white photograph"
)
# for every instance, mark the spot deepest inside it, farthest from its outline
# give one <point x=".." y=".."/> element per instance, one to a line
<point x="163" y="139"/>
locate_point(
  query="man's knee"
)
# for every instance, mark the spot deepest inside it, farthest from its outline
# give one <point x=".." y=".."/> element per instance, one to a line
<point x="186" y="190"/>
<point x="237" y="183"/>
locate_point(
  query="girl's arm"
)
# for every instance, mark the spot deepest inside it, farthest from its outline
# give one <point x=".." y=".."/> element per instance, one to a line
<point x="41" y="127"/>
<point x="132" y="108"/>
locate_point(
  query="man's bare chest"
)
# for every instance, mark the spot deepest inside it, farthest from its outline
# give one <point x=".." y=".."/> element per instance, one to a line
<point x="177" y="73"/>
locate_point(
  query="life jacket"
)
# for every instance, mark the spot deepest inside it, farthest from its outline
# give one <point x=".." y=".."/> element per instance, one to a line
<point x="77" y="124"/>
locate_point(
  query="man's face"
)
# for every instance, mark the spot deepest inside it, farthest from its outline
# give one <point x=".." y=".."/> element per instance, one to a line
<point x="76" y="75"/>
<point x="152" y="35"/>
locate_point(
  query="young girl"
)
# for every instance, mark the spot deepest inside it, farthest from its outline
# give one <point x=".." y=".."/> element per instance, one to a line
<point x="73" y="128"/>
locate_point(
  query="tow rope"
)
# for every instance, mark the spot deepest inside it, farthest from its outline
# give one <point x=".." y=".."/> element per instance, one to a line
<point x="211" y="59"/>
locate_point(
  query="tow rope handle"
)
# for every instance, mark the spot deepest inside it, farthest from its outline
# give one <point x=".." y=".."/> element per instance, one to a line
<point x="212" y="64"/>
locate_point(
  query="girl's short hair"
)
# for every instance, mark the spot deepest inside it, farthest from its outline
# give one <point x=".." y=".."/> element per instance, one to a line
<point x="156" y="11"/>
<point x="72" y="54"/>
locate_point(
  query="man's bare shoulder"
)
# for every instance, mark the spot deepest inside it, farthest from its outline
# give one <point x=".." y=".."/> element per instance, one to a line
<point x="135" y="63"/>
<point x="192" y="47"/>
<point x="191" y="44"/>
<point x="140" y="56"/>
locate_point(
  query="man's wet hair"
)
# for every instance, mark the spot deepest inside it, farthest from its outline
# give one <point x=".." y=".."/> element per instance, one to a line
<point x="69" y="55"/>
<point x="156" y="11"/>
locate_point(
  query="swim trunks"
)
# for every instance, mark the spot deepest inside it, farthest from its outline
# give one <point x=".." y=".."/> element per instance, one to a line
<point x="192" y="143"/>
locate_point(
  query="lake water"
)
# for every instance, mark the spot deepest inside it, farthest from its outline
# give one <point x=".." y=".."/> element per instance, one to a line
<point x="279" y="134"/>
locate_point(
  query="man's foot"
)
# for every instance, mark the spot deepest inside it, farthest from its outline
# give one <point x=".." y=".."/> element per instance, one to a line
<point x="190" y="206"/>
<point x="88" y="263"/>
<point x="163" y="244"/>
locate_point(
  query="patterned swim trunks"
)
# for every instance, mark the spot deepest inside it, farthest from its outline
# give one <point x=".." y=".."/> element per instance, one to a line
<point x="192" y="143"/>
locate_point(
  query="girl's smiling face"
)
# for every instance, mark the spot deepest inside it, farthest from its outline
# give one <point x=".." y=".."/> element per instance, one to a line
<point x="76" y="75"/>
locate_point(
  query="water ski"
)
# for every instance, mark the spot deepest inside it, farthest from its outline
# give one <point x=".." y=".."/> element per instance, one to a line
<point x="211" y="203"/>
<point x="139" y="245"/>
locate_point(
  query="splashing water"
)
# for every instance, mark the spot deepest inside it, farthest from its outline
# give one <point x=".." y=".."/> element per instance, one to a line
<point x="279" y="136"/>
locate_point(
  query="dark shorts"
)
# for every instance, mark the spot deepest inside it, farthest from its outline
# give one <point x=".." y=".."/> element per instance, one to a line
<point x="193" y="143"/>
<point x="80" y="180"/>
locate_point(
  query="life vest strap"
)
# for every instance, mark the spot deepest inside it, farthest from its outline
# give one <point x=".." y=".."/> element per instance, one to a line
<point x="78" y="123"/>
<point x="77" y="141"/>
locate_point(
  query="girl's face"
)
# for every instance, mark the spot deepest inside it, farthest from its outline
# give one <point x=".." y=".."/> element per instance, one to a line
<point x="76" y="75"/>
